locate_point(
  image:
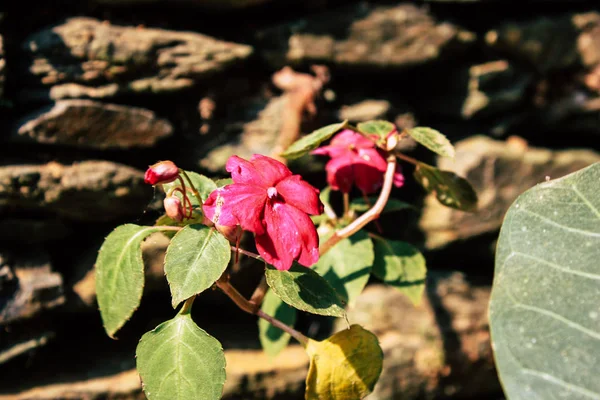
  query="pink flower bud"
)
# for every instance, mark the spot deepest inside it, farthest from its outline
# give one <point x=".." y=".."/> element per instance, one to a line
<point x="173" y="208"/>
<point x="161" y="172"/>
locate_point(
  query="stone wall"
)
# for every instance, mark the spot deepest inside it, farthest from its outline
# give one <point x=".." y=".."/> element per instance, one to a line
<point x="91" y="92"/>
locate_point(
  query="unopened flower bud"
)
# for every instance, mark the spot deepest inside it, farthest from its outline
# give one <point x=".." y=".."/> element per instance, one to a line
<point x="392" y="140"/>
<point x="173" y="208"/>
<point x="161" y="172"/>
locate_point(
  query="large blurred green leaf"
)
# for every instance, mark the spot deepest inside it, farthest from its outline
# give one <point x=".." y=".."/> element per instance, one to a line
<point x="179" y="361"/>
<point x="450" y="189"/>
<point x="196" y="257"/>
<point x="377" y="129"/>
<point x="344" y="367"/>
<point x="120" y="275"/>
<point x="545" y="305"/>
<point x="361" y="205"/>
<point x="273" y="339"/>
<point x="304" y="289"/>
<point x="402" y="266"/>
<point x="312" y="140"/>
<point x="347" y="265"/>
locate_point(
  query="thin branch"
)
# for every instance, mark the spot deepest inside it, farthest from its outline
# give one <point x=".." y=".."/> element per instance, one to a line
<point x="194" y="190"/>
<point x="168" y="228"/>
<point x="251" y="308"/>
<point x="368" y="216"/>
<point x="406" y="158"/>
<point x="248" y="253"/>
<point x="260" y="292"/>
<point x="187" y="306"/>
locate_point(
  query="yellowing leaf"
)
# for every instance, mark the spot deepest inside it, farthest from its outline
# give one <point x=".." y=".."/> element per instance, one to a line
<point x="344" y="367"/>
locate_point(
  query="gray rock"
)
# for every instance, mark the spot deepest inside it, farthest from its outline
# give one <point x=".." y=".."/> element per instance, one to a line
<point x="480" y="90"/>
<point x="364" y="36"/>
<point x="365" y="110"/>
<point x="85" y="57"/>
<point x="211" y="4"/>
<point x="90" y="124"/>
<point x="551" y="43"/>
<point x="28" y="286"/>
<point x="499" y="172"/>
<point x="86" y="191"/>
<point x="32" y="230"/>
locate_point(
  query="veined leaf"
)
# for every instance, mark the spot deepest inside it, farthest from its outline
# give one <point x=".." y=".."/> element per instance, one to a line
<point x="433" y="140"/>
<point x="195" y="259"/>
<point x="312" y="141"/>
<point x="545" y="304"/>
<point x="345" y="366"/>
<point x="450" y="189"/>
<point x="120" y="275"/>
<point x="347" y="265"/>
<point x="179" y="361"/>
<point x="304" y="289"/>
<point x="273" y="339"/>
<point x="402" y="266"/>
<point x="378" y="130"/>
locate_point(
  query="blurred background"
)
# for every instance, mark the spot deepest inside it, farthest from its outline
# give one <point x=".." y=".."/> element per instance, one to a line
<point x="92" y="92"/>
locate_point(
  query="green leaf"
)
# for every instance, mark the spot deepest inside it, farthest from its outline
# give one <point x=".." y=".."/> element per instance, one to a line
<point x="203" y="184"/>
<point x="347" y="265"/>
<point x="179" y="361"/>
<point x="304" y="289"/>
<point x="377" y="129"/>
<point x="120" y="275"/>
<point x="195" y="259"/>
<point x="312" y="141"/>
<point x="433" y="140"/>
<point x="345" y="366"/>
<point x="223" y="182"/>
<point x="545" y="303"/>
<point x="360" y="205"/>
<point x="450" y="189"/>
<point x="402" y="266"/>
<point x="273" y="339"/>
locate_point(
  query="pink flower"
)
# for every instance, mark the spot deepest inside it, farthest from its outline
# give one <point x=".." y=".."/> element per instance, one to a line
<point x="269" y="201"/>
<point x="161" y="172"/>
<point x="354" y="159"/>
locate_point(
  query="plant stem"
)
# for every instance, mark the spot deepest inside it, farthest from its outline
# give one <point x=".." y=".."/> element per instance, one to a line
<point x="371" y="214"/>
<point x="248" y="253"/>
<point x="187" y="306"/>
<point x="346" y="204"/>
<point x="254" y="309"/>
<point x="194" y="190"/>
<point x="407" y="158"/>
<point x="260" y="292"/>
<point x="168" y="228"/>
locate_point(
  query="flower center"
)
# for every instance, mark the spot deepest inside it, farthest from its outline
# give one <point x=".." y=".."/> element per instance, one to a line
<point x="272" y="192"/>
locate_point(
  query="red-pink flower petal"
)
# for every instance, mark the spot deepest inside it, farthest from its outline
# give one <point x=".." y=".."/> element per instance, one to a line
<point x="243" y="171"/>
<point x="272" y="170"/>
<point x="237" y="204"/>
<point x="348" y="138"/>
<point x="340" y="175"/>
<point x="300" y="194"/>
<point x="398" y="177"/>
<point x="290" y="235"/>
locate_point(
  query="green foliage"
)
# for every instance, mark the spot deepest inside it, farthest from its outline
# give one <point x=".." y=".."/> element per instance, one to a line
<point x="433" y="140"/>
<point x="347" y="265"/>
<point x="304" y="289"/>
<point x="377" y="129"/>
<point x="345" y="366"/>
<point x="544" y="313"/>
<point x="195" y="259"/>
<point x="402" y="266"/>
<point x="273" y="339"/>
<point x="392" y="205"/>
<point x="179" y="361"/>
<point x="120" y="275"/>
<point x="203" y="184"/>
<point x="450" y="189"/>
<point x="312" y="141"/>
